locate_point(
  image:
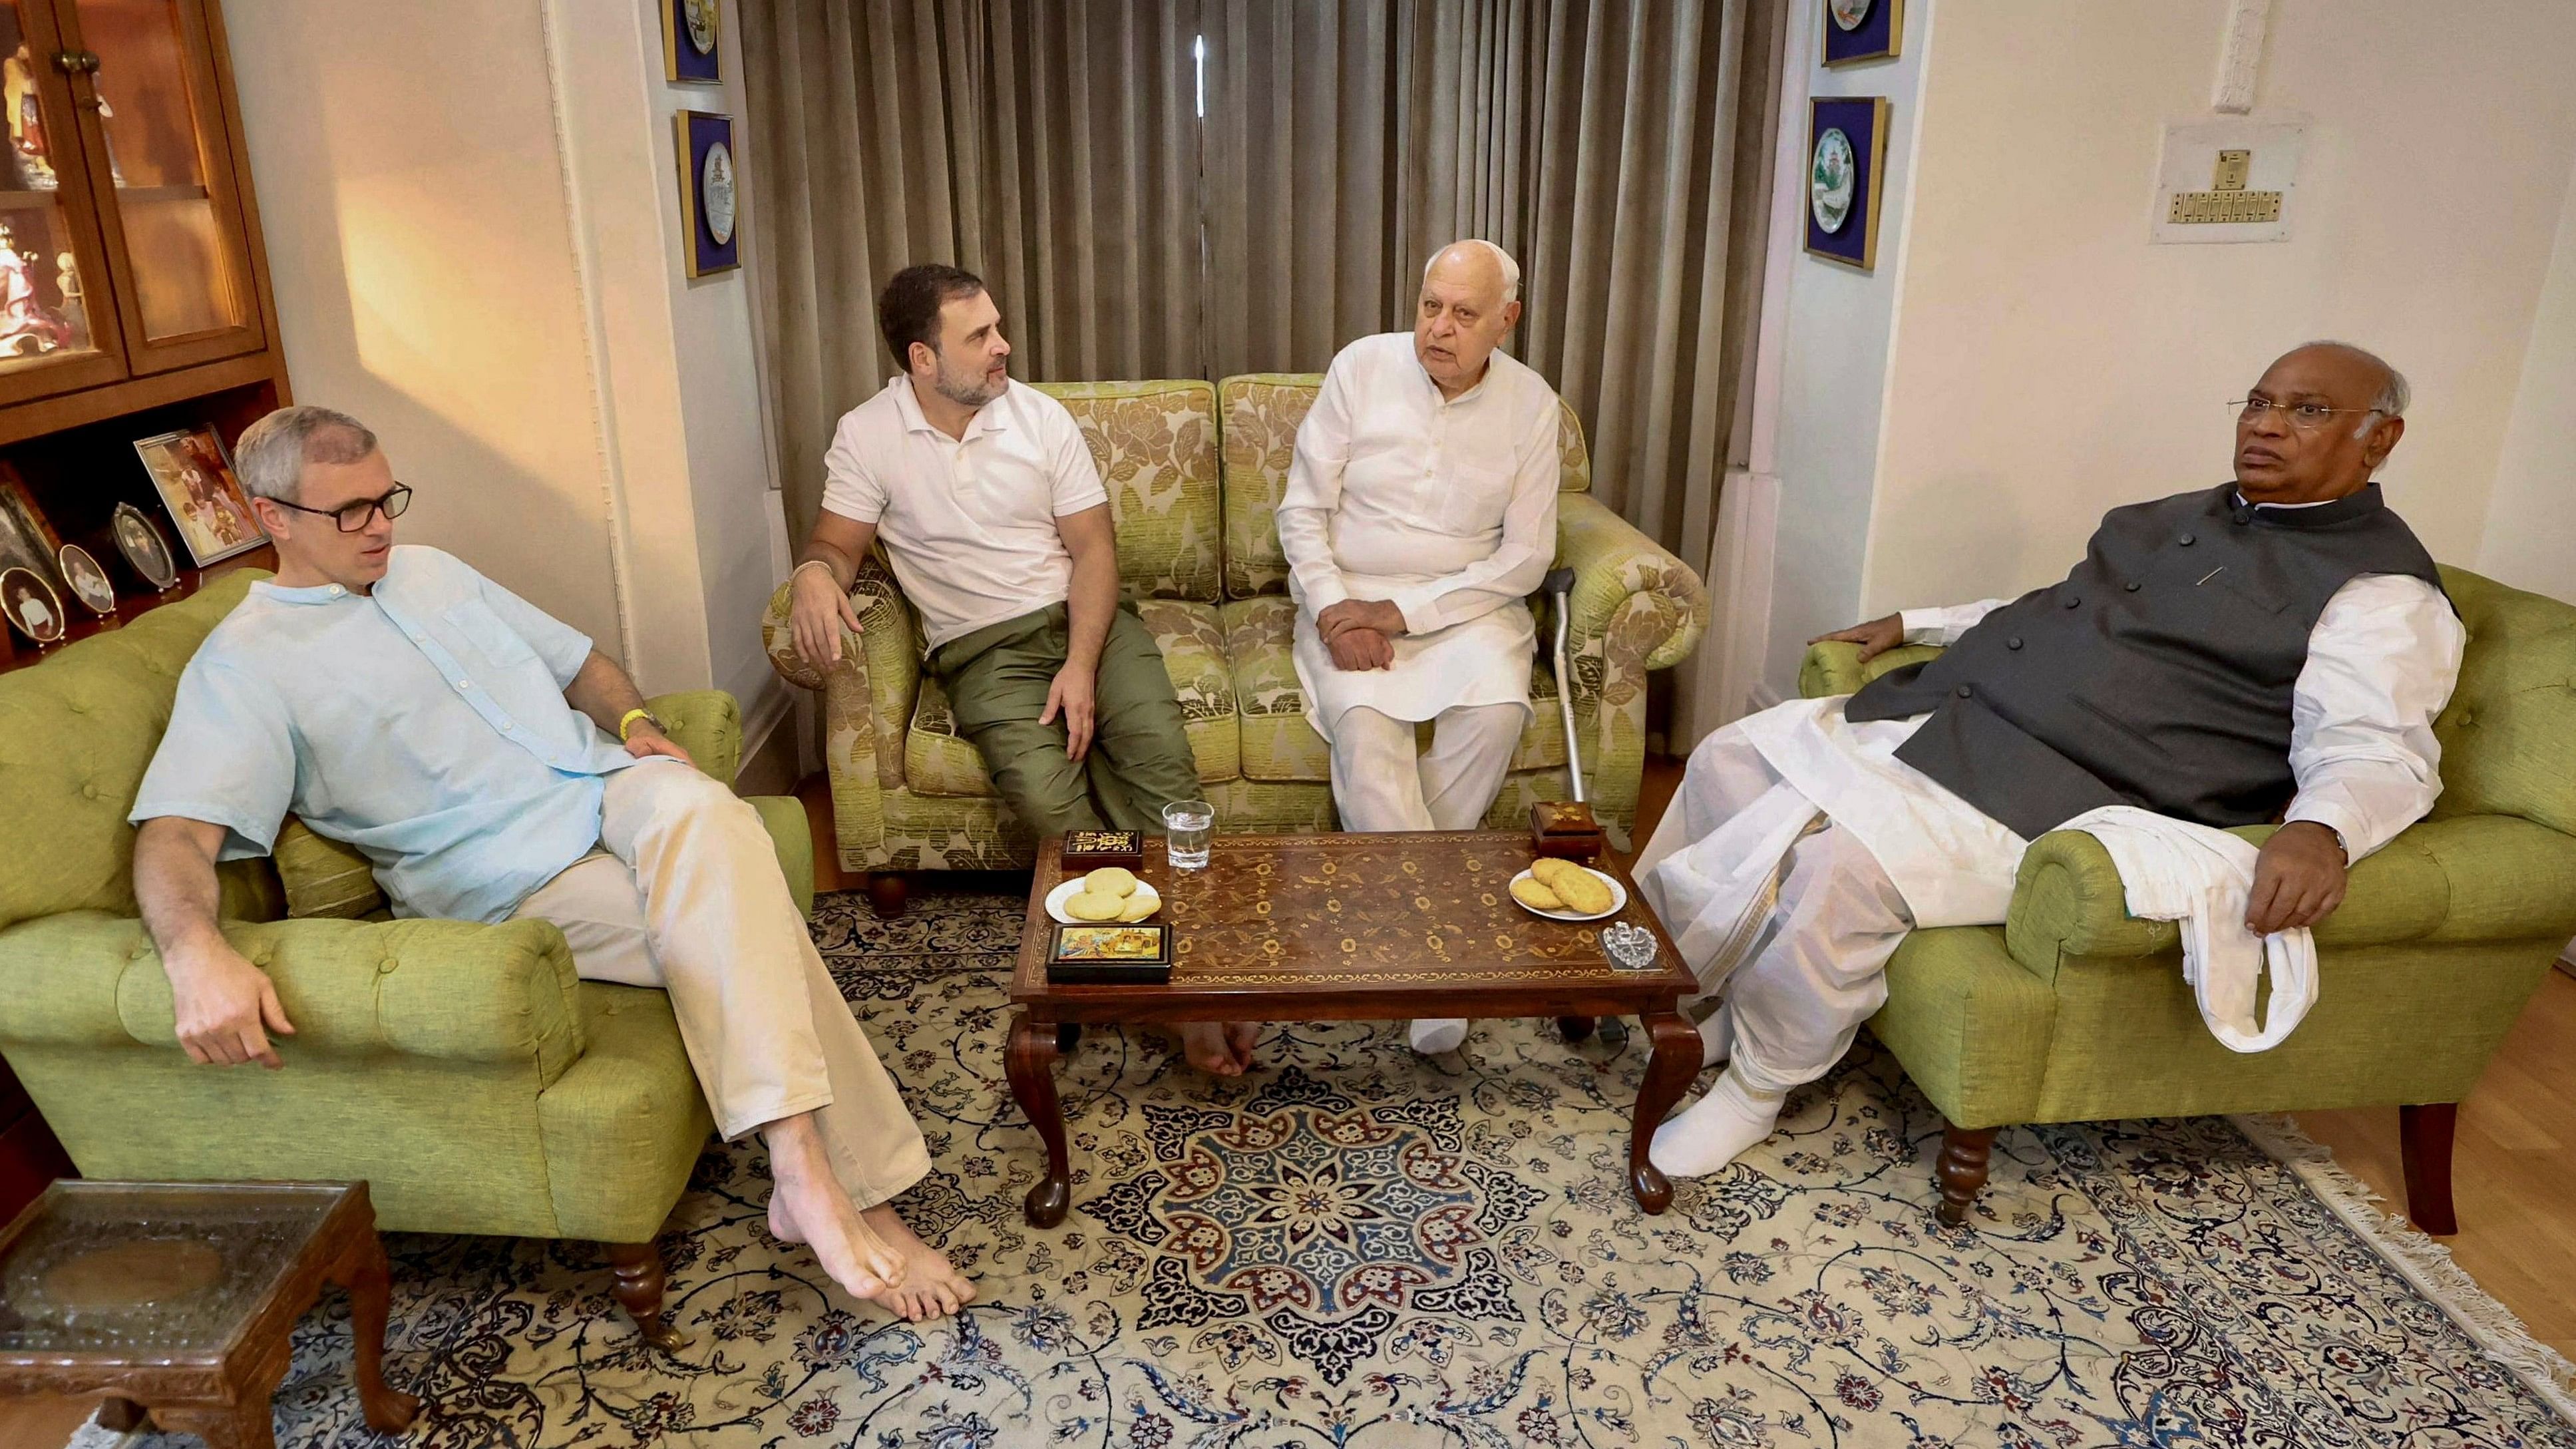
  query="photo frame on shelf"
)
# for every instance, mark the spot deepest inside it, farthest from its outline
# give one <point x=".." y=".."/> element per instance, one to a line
<point x="1846" y="163"/>
<point x="194" y="476"/>
<point x="1861" y="30"/>
<point x="85" y="580"/>
<point x="709" y="197"/>
<point x="691" y="30"/>
<point x="33" y="607"/>
<point x="140" y="544"/>
<point x="27" y="540"/>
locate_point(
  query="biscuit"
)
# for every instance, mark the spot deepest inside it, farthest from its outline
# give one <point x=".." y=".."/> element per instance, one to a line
<point x="1532" y="892"/>
<point x="1584" y="893"/>
<point x="1091" y="906"/>
<point x="1554" y="870"/>
<point x="1140" y="905"/>
<point x="1110" y="880"/>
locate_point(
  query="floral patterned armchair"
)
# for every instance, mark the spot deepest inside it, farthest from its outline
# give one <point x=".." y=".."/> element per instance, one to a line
<point x="1198" y="554"/>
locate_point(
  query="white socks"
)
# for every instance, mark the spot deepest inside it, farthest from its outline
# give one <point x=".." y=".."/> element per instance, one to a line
<point x="1433" y="1035"/>
<point x="1716" y="1130"/>
<point x="1717" y="1037"/>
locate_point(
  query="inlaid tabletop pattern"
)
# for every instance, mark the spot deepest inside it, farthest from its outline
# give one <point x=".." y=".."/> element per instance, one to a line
<point x="1344" y="912"/>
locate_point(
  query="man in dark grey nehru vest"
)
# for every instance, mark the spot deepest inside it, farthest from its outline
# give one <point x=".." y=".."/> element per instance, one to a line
<point x="2274" y="648"/>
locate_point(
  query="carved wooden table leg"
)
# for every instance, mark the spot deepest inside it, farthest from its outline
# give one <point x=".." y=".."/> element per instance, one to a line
<point x="368" y="1276"/>
<point x="1030" y="1061"/>
<point x="1668" y="1074"/>
<point x="639" y="1286"/>
<point x="1961" y="1169"/>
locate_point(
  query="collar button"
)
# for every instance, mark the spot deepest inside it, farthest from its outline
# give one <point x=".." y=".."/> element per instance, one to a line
<point x="2185" y="540"/>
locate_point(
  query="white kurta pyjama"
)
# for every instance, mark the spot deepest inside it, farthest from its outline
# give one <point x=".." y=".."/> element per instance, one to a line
<point x="1799" y="850"/>
<point x="1444" y="507"/>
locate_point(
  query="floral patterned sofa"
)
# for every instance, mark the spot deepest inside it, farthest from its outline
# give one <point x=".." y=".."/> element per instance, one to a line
<point x="1193" y="473"/>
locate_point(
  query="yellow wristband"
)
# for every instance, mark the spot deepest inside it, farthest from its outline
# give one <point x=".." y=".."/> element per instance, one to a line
<point x="627" y="721"/>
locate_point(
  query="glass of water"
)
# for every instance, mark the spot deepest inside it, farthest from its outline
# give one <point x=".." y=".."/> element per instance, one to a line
<point x="1186" y="826"/>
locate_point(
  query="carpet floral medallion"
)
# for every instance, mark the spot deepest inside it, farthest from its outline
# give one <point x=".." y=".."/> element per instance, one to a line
<point x="1356" y="1247"/>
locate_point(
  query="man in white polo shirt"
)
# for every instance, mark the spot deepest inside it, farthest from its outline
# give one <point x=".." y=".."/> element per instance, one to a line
<point x="994" y="517"/>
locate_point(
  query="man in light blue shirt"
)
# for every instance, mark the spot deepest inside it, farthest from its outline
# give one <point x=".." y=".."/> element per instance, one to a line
<point x="468" y="744"/>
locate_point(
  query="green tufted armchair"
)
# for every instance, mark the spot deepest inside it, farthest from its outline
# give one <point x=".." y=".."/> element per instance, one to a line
<point x="461" y="1070"/>
<point x="2074" y="1011"/>
<point x="1194" y="473"/>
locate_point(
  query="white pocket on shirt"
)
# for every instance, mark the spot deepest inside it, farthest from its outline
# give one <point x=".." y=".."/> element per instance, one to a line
<point x="1475" y="499"/>
<point x="493" y="639"/>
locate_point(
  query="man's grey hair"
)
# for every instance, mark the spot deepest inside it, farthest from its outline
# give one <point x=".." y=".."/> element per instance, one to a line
<point x="1503" y="259"/>
<point x="2393" y="395"/>
<point x="273" y="451"/>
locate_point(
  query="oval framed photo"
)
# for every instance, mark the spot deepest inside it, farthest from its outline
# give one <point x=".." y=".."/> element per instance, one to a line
<point x="89" y="583"/>
<point x="715" y="189"/>
<point x="1832" y="174"/>
<point x="144" y="547"/>
<point x="34" y="609"/>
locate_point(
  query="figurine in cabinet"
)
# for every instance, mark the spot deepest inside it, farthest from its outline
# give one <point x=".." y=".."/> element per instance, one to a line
<point x="26" y="118"/>
<point x="75" y="309"/>
<point x="26" y="328"/>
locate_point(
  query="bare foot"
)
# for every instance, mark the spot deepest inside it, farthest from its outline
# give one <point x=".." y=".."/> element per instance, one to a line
<point x="932" y="1287"/>
<point x="1239" y="1039"/>
<point x="1210" y="1047"/>
<point x="808" y="1206"/>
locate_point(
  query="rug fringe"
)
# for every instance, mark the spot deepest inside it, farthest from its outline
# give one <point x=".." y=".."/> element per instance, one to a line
<point x="2419" y="1258"/>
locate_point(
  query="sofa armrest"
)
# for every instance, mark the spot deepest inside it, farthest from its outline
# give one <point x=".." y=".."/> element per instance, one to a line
<point x="708" y="724"/>
<point x="1834" y="667"/>
<point x="1627" y="587"/>
<point x="2466" y="878"/>
<point x="451" y="990"/>
<point x="868" y="699"/>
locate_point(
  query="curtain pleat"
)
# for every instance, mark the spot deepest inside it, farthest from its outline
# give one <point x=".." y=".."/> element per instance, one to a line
<point x="1616" y="147"/>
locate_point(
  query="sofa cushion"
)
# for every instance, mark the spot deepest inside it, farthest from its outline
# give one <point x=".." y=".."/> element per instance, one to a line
<point x="324" y="877"/>
<point x="2504" y="734"/>
<point x="1262" y="411"/>
<point x="937" y="760"/>
<point x="1278" y="743"/>
<point x="1155" y="445"/>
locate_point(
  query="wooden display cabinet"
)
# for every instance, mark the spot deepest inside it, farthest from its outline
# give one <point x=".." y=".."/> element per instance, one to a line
<point x="134" y="300"/>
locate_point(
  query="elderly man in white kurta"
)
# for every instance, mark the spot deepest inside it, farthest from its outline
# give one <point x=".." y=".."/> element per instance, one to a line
<point x="2274" y="648"/>
<point x="1420" y="513"/>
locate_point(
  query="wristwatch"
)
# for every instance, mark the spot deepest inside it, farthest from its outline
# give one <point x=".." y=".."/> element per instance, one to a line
<point x="626" y="723"/>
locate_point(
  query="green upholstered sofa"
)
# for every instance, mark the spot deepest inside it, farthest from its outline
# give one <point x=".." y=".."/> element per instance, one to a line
<point x="2074" y="1011"/>
<point x="460" y="1069"/>
<point x="1194" y="473"/>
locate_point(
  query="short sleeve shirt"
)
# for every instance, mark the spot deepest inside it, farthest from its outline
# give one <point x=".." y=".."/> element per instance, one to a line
<point x="969" y="522"/>
<point x="423" y="723"/>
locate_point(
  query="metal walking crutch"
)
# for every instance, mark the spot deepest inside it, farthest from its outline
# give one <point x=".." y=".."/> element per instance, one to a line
<point x="1559" y="827"/>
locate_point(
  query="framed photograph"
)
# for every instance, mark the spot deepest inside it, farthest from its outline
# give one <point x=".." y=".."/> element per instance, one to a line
<point x="1846" y="160"/>
<point x="143" y="547"/>
<point x="707" y="195"/>
<point x="27" y="541"/>
<point x="88" y="582"/>
<point x="689" y="34"/>
<point x="1110" y="955"/>
<point x="195" y="479"/>
<point x="1861" y="30"/>
<point x="34" y="609"/>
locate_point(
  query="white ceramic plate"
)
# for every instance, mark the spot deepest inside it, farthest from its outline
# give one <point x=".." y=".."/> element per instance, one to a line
<point x="1618" y="898"/>
<point x="1831" y="175"/>
<point x="1848" y="14"/>
<point x="1056" y="898"/>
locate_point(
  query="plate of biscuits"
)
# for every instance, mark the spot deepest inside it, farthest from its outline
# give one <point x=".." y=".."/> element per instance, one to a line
<point x="1111" y="893"/>
<point x="1563" y="891"/>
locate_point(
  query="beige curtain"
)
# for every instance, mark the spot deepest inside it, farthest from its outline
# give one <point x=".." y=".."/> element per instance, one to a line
<point x="1618" y="148"/>
<point x="1050" y="146"/>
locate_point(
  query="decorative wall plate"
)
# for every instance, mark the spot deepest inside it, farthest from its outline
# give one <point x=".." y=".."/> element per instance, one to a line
<point x="715" y="189"/>
<point x="1849" y="13"/>
<point x="1831" y="175"/>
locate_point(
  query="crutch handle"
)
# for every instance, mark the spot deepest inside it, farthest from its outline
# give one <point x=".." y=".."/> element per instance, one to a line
<point x="1558" y="583"/>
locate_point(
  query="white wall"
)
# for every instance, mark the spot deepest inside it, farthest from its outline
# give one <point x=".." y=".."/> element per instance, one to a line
<point x="2028" y="359"/>
<point x="2531" y="519"/>
<point x="1834" y="362"/>
<point x="473" y="222"/>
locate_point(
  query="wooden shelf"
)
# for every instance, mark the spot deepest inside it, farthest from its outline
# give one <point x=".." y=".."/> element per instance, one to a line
<point x="160" y="193"/>
<point x="129" y="608"/>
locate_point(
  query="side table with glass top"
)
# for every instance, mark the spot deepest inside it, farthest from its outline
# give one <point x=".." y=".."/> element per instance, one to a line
<point x="177" y="1299"/>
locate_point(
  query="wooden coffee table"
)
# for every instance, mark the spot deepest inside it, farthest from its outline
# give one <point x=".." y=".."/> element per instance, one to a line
<point x="1355" y="927"/>
<point x="178" y="1298"/>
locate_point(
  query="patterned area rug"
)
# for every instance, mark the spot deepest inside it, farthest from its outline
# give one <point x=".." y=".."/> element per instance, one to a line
<point x="1357" y="1247"/>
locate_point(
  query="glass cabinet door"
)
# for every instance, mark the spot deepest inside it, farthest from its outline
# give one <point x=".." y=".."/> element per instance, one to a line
<point x="159" y="149"/>
<point x="58" y="324"/>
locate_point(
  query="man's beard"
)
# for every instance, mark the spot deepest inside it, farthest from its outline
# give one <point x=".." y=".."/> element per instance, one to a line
<point x="972" y="394"/>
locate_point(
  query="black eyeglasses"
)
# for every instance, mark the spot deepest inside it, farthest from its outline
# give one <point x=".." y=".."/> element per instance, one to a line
<point x="356" y="515"/>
